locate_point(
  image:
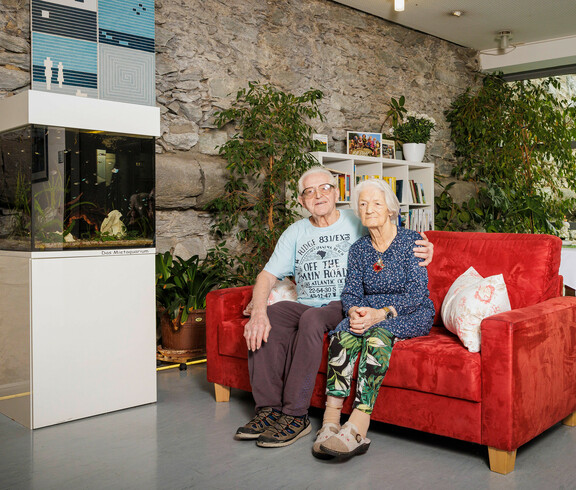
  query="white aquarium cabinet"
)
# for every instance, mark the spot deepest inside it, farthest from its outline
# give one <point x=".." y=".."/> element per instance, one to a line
<point x="78" y="332"/>
<point x="77" y="249"/>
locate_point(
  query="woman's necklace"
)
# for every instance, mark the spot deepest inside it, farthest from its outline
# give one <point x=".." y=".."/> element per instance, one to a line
<point x="379" y="264"/>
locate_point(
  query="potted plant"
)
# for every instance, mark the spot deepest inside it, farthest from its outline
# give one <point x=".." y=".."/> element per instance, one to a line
<point x="181" y="289"/>
<point x="265" y="159"/>
<point x="414" y="132"/>
<point x="514" y="141"/>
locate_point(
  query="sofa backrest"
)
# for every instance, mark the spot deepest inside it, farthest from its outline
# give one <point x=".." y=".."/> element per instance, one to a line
<point x="529" y="264"/>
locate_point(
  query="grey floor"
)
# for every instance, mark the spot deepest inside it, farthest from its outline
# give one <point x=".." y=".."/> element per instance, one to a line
<point x="185" y="441"/>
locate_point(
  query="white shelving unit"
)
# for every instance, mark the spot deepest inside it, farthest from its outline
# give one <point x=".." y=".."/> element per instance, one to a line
<point x="403" y="171"/>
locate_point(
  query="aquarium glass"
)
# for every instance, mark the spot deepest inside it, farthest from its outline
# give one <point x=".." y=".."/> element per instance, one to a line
<point x="63" y="188"/>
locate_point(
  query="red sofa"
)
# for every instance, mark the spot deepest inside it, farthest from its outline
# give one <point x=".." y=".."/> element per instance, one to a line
<point x="521" y="383"/>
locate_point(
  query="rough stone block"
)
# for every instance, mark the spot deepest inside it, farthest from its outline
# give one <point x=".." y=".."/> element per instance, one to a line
<point x="179" y="180"/>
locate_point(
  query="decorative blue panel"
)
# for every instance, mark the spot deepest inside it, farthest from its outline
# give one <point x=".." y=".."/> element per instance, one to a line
<point x="126" y="36"/>
<point x="65" y="19"/>
<point x="130" y="21"/>
<point x="94" y="48"/>
<point x="69" y="65"/>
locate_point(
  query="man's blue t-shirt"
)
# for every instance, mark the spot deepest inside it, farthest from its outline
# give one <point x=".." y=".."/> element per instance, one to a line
<point x="316" y="257"/>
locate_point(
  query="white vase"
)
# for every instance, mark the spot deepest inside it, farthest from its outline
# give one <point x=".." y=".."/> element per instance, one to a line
<point x="414" y="152"/>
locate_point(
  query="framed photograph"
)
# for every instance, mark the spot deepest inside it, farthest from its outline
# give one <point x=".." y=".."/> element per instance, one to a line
<point x="320" y="142"/>
<point x="388" y="149"/>
<point x="364" y="144"/>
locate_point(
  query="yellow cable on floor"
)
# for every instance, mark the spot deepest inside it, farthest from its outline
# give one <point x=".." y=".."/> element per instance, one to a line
<point x="19" y="395"/>
<point x="172" y="366"/>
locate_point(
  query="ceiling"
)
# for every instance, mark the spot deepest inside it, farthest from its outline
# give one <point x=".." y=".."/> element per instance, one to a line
<point x="529" y="20"/>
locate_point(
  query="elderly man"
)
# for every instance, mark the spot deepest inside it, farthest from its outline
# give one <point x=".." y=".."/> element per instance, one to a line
<point x="285" y="339"/>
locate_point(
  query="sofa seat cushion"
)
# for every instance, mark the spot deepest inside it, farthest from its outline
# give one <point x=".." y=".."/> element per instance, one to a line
<point x="437" y="363"/>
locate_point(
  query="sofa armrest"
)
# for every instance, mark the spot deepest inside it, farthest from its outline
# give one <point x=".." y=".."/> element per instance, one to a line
<point x="228" y="303"/>
<point x="225" y="305"/>
<point x="528" y="371"/>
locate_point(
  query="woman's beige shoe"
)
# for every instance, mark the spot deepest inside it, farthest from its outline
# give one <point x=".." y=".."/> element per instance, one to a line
<point x="346" y="443"/>
<point x="326" y="432"/>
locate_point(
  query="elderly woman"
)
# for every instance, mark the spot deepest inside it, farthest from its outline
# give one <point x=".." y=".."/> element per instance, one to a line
<point x="385" y="298"/>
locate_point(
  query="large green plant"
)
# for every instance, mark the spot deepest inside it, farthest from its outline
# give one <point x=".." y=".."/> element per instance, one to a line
<point x="514" y="139"/>
<point x="182" y="285"/>
<point x="451" y="216"/>
<point x="265" y="159"/>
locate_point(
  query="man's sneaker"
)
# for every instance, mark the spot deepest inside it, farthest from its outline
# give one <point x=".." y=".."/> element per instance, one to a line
<point x="264" y="420"/>
<point x="288" y="429"/>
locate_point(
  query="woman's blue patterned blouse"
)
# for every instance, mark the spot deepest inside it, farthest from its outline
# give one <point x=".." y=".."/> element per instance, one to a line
<point x="401" y="283"/>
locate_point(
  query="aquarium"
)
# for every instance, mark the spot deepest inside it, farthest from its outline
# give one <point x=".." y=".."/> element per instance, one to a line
<point x="64" y="188"/>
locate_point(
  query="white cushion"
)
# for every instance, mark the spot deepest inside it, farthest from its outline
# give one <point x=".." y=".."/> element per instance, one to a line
<point x="284" y="290"/>
<point x="470" y="299"/>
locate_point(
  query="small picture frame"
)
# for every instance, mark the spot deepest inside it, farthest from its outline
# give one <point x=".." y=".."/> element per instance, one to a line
<point x="364" y="144"/>
<point x="388" y="149"/>
<point x="320" y="142"/>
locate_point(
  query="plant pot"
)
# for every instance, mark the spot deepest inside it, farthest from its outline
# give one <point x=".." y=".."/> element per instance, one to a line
<point x="414" y="152"/>
<point x="190" y="336"/>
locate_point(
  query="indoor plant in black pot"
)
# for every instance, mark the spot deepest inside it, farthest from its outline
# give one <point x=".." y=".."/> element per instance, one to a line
<point x="181" y="289"/>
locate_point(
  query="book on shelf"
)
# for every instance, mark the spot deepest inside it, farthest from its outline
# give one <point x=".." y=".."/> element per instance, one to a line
<point x="404" y="219"/>
<point x="344" y="183"/>
<point x="391" y="182"/>
<point x="423" y="195"/>
<point x="417" y="192"/>
<point x="420" y="187"/>
<point x="413" y="199"/>
<point x="399" y="188"/>
<point x="418" y="219"/>
<point x="344" y="187"/>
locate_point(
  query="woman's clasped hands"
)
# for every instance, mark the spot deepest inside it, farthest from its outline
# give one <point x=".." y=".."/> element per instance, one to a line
<point x="363" y="317"/>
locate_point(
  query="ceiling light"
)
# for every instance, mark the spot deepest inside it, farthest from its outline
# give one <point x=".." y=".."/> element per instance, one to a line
<point x="504" y="39"/>
<point x="399" y="5"/>
<point x="456" y="13"/>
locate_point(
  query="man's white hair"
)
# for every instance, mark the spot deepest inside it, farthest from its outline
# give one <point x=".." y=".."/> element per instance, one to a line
<point x="330" y="178"/>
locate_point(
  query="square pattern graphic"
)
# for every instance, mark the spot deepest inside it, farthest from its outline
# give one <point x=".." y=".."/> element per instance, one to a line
<point x="94" y="48"/>
<point x="127" y="75"/>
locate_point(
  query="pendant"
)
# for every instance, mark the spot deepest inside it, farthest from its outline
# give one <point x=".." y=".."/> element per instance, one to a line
<point x="378" y="265"/>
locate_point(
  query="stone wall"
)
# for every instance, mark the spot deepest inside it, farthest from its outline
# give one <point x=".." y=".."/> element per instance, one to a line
<point x="208" y="49"/>
<point x="359" y="61"/>
<point x="14" y="46"/>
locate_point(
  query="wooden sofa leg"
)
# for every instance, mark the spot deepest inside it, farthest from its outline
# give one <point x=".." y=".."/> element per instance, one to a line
<point x="570" y="420"/>
<point x="501" y="461"/>
<point x="222" y="393"/>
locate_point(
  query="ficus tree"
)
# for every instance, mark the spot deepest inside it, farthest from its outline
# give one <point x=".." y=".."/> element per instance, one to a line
<point x="265" y="160"/>
<point x="514" y="140"/>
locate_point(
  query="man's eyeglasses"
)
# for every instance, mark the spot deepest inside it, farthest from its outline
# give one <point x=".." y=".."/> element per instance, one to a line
<point x="323" y="189"/>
